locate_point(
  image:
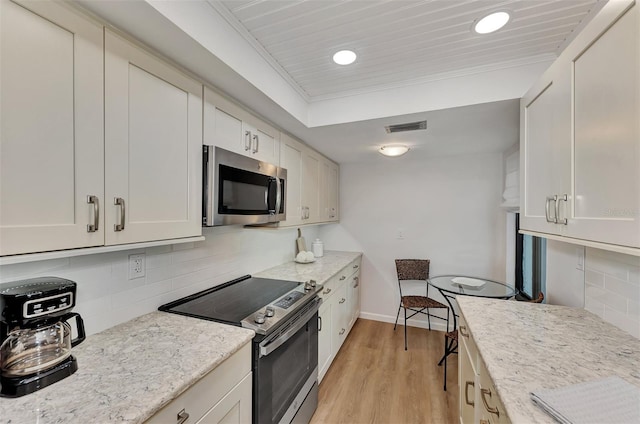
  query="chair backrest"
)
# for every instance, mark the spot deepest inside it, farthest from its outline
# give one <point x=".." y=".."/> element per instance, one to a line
<point x="539" y="299"/>
<point x="411" y="269"/>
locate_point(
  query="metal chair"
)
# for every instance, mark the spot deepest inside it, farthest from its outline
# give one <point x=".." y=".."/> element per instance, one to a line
<point x="416" y="269"/>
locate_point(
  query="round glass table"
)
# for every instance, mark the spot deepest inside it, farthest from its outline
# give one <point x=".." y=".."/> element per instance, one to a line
<point x="450" y="286"/>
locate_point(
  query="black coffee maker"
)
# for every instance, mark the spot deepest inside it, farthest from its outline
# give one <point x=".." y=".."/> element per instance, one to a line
<point x="35" y="337"/>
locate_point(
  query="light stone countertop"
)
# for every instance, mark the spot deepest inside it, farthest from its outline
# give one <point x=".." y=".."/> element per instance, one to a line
<point x="130" y="371"/>
<point x="529" y="346"/>
<point x="321" y="270"/>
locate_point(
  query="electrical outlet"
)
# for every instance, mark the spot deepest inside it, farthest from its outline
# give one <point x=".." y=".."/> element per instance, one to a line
<point x="136" y="266"/>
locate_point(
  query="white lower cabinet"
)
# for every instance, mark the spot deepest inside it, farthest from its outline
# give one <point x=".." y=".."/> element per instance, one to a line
<point x="478" y="399"/>
<point x="338" y="313"/>
<point x="222" y="396"/>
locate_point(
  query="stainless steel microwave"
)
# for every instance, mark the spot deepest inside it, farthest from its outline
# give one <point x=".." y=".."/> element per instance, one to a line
<point x="241" y="190"/>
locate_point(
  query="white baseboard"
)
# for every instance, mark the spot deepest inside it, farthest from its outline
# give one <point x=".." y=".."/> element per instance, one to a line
<point x="436" y="324"/>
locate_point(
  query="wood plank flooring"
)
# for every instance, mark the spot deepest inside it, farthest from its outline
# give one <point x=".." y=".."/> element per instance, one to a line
<point x="374" y="380"/>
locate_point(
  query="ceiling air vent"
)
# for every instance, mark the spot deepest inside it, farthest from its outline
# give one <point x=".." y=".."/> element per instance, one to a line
<point x="411" y="126"/>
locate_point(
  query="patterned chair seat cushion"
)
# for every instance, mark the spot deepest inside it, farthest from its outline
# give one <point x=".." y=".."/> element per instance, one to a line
<point x="421" y="302"/>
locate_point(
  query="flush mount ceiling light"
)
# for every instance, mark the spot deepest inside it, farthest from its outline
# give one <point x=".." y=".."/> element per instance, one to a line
<point x="393" y="150"/>
<point x="491" y="22"/>
<point x="344" y="57"/>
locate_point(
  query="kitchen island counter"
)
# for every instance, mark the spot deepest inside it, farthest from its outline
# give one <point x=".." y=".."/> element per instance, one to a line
<point x="527" y="346"/>
<point x="129" y="372"/>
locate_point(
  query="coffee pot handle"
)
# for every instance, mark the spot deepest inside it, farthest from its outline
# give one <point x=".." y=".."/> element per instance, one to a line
<point x="79" y="326"/>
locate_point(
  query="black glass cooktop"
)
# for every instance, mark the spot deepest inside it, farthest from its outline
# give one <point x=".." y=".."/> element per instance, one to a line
<point x="233" y="301"/>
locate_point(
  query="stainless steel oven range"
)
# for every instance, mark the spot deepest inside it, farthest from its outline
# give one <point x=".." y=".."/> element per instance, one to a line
<point x="284" y="315"/>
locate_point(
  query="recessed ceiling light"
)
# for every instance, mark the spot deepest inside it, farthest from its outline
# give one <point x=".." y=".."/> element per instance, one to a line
<point x="344" y="57"/>
<point x="393" y="150"/>
<point x="491" y="22"/>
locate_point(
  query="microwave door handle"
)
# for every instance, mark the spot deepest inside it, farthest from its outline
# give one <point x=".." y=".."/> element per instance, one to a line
<point x="278" y="195"/>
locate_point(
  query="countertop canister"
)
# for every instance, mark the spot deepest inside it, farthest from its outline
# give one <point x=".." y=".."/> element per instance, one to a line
<point x="318" y="248"/>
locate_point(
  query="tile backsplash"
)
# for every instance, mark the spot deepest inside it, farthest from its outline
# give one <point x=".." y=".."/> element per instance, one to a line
<point x="106" y="296"/>
<point x="612" y="288"/>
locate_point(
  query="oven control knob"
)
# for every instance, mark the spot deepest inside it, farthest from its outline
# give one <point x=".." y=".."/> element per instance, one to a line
<point x="269" y="311"/>
<point x="259" y="319"/>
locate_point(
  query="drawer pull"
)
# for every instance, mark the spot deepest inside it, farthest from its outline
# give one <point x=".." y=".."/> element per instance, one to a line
<point x="342" y="300"/>
<point x="357" y="282"/>
<point x="182" y="417"/>
<point x="119" y="201"/>
<point x="93" y="200"/>
<point x="489" y="409"/>
<point x="466" y="393"/>
<point x="342" y="332"/>
<point x="327" y="291"/>
<point x="462" y="330"/>
<point x="356" y="266"/>
<point x="342" y="278"/>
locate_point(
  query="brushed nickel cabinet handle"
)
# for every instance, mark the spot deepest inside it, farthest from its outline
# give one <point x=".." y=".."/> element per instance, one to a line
<point x="93" y="200"/>
<point x="247" y="140"/>
<point x="341" y="332"/>
<point x="119" y="201"/>
<point x="357" y="280"/>
<point x="466" y="392"/>
<point x="342" y="278"/>
<point x="319" y="323"/>
<point x="462" y="331"/>
<point x="182" y="417"/>
<point x="342" y="300"/>
<point x="547" y="209"/>
<point x="255" y="143"/>
<point x="492" y="410"/>
<point x="356" y="266"/>
<point x="564" y="198"/>
<point x="327" y="291"/>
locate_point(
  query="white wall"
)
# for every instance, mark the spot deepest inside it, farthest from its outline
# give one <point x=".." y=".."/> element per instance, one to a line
<point x="106" y="296"/>
<point x="446" y="208"/>
<point x="607" y="285"/>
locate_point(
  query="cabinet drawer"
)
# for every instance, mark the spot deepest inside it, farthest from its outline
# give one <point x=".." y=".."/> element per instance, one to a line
<point x="354" y="266"/>
<point x="328" y="288"/>
<point x="199" y="398"/>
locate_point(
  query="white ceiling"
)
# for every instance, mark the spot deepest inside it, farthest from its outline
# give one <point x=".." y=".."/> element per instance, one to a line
<point x="397" y="41"/>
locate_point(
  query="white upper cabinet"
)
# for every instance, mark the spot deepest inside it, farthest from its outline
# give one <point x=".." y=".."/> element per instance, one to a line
<point x="606" y="129"/>
<point x="229" y="126"/>
<point x="291" y="153"/>
<point x="312" y="184"/>
<point x="580" y="137"/>
<point x="330" y="191"/>
<point x="545" y="153"/>
<point x="51" y="129"/>
<point x="153" y="147"/>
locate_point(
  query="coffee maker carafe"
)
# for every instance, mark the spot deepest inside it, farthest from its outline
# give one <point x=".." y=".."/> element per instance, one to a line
<point x="35" y="337"/>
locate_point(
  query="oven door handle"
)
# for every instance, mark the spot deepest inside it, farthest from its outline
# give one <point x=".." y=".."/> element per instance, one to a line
<point x="268" y="346"/>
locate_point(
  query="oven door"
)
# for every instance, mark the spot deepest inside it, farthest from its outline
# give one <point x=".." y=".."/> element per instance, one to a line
<point x="286" y="369"/>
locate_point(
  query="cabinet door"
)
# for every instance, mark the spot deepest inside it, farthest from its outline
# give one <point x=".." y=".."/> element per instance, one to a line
<point x="545" y="152"/>
<point x="222" y="127"/>
<point x="234" y="408"/>
<point x="606" y="124"/>
<point x="311" y="167"/>
<point x="153" y="147"/>
<point x="291" y="153"/>
<point x="354" y="298"/>
<point x="340" y="316"/>
<point x="51" y="142"/>
<point x="333" y="183"/>
<point x="466" y="383"/>
<point x="263" y="141"/>
<point x="325" y="348"/>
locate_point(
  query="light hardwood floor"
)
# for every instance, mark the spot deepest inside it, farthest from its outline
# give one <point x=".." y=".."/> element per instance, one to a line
<point x="374" y="380"/>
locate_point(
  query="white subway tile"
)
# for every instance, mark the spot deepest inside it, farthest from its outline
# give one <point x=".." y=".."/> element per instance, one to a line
<point x="594" y="277"/>
<point x="29" y="269"/>
<point x="622" y="288"/>
<point x="159" y="260"/>
<point x="604" y="265"/>
<point x="634" y="276"/>
<point x="633" y="309"/>
<point x="594" y="306"/>
<point x="607" y="297"/>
